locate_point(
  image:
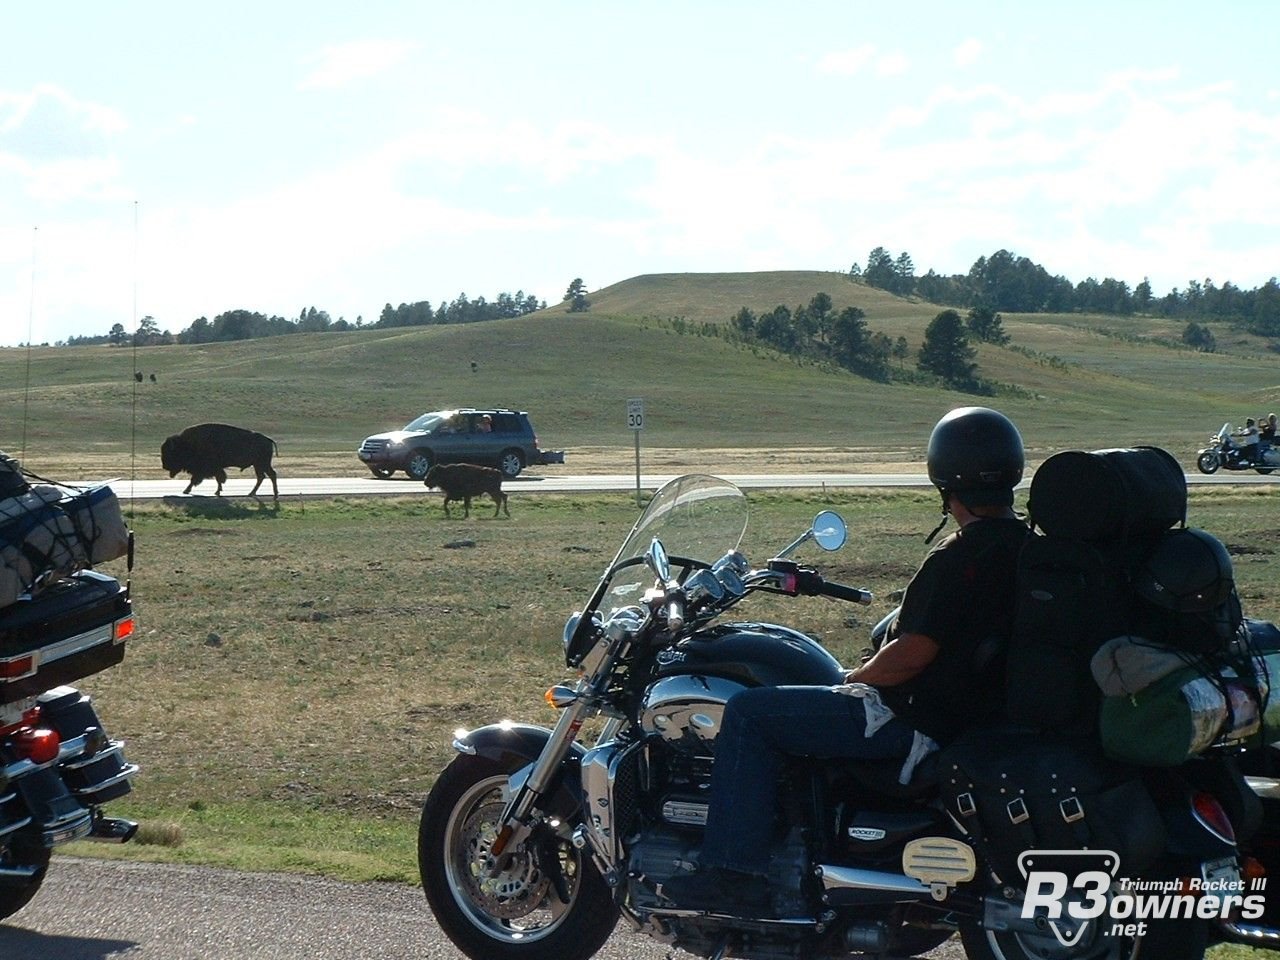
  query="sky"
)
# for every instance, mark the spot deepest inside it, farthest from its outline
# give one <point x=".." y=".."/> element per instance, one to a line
<point x="182" y="160"/>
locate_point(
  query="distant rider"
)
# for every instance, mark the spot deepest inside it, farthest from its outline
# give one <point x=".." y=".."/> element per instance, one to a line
<point x="1249" y="440"/>
<point x="1266" y="435"/>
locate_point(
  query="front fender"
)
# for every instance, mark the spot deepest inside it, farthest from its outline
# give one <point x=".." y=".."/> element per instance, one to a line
<point x="516" y="746"/>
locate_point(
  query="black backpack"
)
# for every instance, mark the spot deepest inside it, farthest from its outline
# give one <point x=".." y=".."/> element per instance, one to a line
<point x="1096" y="517"/>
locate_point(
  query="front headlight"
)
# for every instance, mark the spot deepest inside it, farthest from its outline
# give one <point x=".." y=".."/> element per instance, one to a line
<point x="571" y="627"/>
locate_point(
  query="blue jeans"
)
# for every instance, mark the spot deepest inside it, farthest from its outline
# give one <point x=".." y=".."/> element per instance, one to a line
<point x="762" y="726"/>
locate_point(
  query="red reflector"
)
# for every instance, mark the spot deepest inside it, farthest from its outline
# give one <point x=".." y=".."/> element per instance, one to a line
<point x="1210" y="813"/>
<point x="39" y="745"/>
<point x="123" y="630"/>
<point x="17" y="667"/>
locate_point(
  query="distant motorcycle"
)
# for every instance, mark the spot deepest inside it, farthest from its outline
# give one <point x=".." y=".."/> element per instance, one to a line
<point x="1223" y="451"/>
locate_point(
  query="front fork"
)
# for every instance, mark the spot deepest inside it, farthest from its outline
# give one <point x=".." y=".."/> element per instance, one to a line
<point x="517" y="821"/>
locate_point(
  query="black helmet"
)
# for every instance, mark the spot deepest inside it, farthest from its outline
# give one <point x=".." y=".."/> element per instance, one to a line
<point x="1189" y="571"/>
<point x="976" y="454"/>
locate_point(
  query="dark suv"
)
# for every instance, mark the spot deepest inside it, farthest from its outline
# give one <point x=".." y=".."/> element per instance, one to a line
<point x="494" y="438"/>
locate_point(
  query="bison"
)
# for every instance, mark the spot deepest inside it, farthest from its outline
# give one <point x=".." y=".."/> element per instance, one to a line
<point x="207" y="449"/>
<point x="462" y="481"/>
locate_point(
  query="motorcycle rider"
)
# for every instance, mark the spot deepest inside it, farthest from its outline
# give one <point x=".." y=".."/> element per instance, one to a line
<point x="1266" y="434"/>
<point x="915" y="692"/>
<point x="1249" y="440"/>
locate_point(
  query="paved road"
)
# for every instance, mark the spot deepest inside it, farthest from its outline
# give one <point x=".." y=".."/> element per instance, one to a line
<point x="110" y="910"/>
<point x="127" y="489"/>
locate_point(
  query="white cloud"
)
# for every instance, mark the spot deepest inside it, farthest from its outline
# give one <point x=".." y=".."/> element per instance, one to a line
<point x="339" y="65"/>
<point x="892" y="64"/>
<point x="967" y="53"/>
<point x="47" y="122"/>
<point x="847" y="62"/>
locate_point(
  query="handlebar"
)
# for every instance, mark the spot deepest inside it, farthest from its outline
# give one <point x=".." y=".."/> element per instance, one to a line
<point x="793" y="579"/>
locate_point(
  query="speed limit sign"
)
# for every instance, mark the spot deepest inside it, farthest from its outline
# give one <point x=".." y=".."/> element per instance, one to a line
<point x="635" y="414"/>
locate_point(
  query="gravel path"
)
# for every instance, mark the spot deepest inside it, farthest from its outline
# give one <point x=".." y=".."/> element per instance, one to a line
<point x="113" y="910"/>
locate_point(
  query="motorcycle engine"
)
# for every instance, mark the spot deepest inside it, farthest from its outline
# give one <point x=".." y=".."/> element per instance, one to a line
<point x="662" y="853"/>
<point x="685" y="710"/>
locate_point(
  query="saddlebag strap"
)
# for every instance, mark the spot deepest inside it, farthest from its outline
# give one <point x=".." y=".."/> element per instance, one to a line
<point x="1020" y="821"/>
<point x="1072" y="810"/>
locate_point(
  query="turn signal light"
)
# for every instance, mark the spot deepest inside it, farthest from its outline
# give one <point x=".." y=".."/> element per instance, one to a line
<point x="122" y="630"/>
<point x="39" y="745"/>
<point x="17" y="668"/>
<point x="1252" y="869"/>
<point x="560" y="696"/>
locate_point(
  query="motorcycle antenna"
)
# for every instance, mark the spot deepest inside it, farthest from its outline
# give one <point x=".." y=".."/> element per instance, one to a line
<point x="31" y="312"/>
<point x="133" y="413"/>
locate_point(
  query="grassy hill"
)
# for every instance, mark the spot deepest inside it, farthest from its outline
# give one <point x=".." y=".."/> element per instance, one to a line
<point x="1078" y="380"/>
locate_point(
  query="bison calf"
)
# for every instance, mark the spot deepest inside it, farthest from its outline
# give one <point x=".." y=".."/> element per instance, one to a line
<point x="207" y="449"/>
<point x="462" y="481"/>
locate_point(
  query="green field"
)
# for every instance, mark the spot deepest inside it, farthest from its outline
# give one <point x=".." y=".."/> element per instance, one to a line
<point x="297" y="674"/>
<point x="1075" y="381"/>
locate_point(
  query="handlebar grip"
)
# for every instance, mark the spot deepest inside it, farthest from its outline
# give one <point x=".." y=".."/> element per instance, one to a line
<point x="840" y="592"/>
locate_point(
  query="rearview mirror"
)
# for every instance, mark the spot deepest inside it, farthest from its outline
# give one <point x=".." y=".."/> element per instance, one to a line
<point x="829" y="530"/>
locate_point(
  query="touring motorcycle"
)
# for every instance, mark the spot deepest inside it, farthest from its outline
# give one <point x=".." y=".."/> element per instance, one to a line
<point x="58" y="766"/>
<point x="532" y="845"/>
<point x="1223" y="451"/>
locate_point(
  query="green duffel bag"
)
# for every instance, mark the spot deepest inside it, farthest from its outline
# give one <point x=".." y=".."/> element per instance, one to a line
<point x="1175" y="718"/>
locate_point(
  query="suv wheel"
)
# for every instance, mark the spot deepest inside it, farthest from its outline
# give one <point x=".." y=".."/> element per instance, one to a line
<point x="418" y="464"/>
<point x="382" y="473"/>
<point x="511" y="463"/>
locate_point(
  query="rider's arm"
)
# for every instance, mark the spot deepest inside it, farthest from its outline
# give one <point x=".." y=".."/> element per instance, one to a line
<point x="897" y="661"/>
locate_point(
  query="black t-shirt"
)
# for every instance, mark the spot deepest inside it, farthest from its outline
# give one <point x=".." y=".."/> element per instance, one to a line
<point x="962" y="598"/>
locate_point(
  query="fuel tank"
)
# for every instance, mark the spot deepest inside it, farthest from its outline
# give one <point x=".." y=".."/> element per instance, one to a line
<point x="754" y="654"/>
<point x="685" y="703"/>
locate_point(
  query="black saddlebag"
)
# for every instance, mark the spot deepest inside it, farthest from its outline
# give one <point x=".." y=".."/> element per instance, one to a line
<point x="97" y="778"/>
<point x="71" y="629"/>
<point x="1013" y="790"/>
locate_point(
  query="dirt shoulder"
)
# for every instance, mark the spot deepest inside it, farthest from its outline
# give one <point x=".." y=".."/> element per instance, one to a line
<point x="82" y="465"/>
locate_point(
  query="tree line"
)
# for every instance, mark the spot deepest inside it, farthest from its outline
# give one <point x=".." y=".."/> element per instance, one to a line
<point x="816" y="330"/>
<point x="249" y="325"/>
<point x="1016" y="284"/>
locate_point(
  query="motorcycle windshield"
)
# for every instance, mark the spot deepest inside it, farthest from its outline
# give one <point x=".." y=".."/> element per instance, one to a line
<point x="696" y="517"/>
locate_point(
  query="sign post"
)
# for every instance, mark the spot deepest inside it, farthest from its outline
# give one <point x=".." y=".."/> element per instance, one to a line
<point x="635" y="421"/>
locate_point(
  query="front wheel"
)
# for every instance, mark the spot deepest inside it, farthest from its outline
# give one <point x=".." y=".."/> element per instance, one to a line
<point x="1207" y="463"/>
<point x="418" y="464"/>
<point x="548" y="903"/>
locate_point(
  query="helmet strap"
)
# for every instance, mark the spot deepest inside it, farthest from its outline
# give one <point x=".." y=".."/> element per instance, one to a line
<point x="946" y="513"/>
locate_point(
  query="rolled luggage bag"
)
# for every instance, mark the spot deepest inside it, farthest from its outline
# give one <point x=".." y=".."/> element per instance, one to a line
<point x="1108" y="494"/>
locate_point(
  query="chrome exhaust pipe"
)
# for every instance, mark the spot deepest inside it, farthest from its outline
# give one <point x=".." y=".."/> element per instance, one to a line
<point x="112" y="830"/>
<point x="1253" y="935"/>
<point x="18" y="871"/>
<point x="839" y="883"/>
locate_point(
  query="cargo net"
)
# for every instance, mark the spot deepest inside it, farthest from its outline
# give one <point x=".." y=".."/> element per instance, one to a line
<point x="50" y="530"/>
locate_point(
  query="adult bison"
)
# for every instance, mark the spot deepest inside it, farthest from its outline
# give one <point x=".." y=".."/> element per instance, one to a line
<point x="207" y="449"/>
